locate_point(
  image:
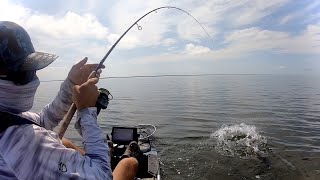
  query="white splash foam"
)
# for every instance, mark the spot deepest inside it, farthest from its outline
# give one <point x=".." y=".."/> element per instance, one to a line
<point x="239" y="140"/>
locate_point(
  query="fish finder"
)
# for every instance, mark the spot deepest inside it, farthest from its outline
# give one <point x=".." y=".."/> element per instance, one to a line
<point x="124" y="135"/>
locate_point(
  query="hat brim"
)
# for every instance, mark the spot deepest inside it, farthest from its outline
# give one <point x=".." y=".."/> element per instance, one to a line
<point x="37" y="60"/>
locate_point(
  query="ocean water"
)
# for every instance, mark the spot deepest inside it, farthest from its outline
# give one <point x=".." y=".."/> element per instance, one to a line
<point x="219" y="126"/>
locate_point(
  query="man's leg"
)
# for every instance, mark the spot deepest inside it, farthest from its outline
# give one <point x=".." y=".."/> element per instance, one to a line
<point x="126" y="169"/>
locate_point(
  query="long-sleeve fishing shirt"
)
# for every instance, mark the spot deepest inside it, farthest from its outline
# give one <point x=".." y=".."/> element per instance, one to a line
<point x="33" y="152"/>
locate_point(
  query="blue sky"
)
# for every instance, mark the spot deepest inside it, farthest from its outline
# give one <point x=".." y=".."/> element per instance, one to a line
<point x="262" y="36"/>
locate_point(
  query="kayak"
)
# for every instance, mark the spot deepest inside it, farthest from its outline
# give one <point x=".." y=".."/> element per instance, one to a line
<point x="149" y="164"/>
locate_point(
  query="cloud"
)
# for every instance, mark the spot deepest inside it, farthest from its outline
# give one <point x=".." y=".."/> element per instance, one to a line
<point x="169" y="42"/>
<point x="79" y="34"/>
<point x="254" y="39"/>
<point x="306" y="43"/>
<point x="241" y="43"/>
<point x="71" y="25"/>
<point x="248" y="12"/>
<point x="232" y="13"/>
<point x="301" y="13"/>
<point x="84" y="33"/>
<point x="123" y="13"/>
<point x="190" y="30"/>
<point x="282" y="67"/>
<point x="257" y="39"/>
<point x="72" y="36"/>
<point x="192" y="49"/>
<point x="217" y="15"/>
<point x="287" y="18"/>
<point x="157" y="26"/>
<point x="7" y="9"/>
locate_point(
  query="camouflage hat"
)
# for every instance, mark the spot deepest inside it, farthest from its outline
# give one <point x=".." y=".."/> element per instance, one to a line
<point x="17" y="52"/>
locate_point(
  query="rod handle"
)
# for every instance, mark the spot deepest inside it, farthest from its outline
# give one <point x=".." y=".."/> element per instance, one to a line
<point x="66" y="120"/>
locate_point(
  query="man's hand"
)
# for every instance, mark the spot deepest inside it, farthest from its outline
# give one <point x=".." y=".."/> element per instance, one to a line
<point x="79" y="72"/>
<point x="86" y="95"/>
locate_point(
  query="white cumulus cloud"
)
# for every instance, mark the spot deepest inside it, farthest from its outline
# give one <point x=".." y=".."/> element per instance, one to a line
<point x="196" y="49"/>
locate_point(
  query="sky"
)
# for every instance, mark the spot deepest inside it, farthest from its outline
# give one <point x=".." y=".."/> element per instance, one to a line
<point x="248" y="37"/>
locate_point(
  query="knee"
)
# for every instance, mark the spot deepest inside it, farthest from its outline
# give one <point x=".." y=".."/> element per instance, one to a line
<point x="130" y="162"/>
<point x="126" y="169"/>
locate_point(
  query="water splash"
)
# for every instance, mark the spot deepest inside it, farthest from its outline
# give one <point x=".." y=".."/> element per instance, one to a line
<point x="239" y="140"/>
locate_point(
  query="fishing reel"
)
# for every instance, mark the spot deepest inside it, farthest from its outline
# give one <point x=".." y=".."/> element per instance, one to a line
<point x="103" y="99"/>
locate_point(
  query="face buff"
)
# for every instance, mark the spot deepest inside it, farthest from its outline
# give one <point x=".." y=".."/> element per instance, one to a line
<point x="15" y="98"/>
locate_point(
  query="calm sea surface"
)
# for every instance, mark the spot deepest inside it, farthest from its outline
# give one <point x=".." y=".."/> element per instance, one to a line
<point x="187" y="110"/>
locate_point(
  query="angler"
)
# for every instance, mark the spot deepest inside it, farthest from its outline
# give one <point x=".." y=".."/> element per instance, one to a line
<point x="29" y="149"/>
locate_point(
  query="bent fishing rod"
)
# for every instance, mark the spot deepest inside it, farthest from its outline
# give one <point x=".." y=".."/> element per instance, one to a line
<point x="67" y="118"/>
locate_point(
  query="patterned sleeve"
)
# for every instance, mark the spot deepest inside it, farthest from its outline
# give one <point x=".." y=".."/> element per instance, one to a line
<point x="53" y="113"/>
<point x="36" y="153"/>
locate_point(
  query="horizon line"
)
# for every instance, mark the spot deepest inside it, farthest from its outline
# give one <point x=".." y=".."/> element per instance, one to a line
<point x="164" y="75"/>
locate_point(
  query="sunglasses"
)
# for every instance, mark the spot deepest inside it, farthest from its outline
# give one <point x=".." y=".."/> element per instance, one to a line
<point x="19" y="78"/>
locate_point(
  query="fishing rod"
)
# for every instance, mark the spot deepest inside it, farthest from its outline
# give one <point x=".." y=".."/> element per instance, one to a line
<point x="67" y="118"/>
<point x="140" y="28"/>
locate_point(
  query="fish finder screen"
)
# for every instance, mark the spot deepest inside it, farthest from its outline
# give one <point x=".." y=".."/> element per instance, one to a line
<point x="123" y="134"/>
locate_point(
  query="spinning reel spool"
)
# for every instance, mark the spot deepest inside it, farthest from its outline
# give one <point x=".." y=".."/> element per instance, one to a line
<point x="103" y="99"/>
